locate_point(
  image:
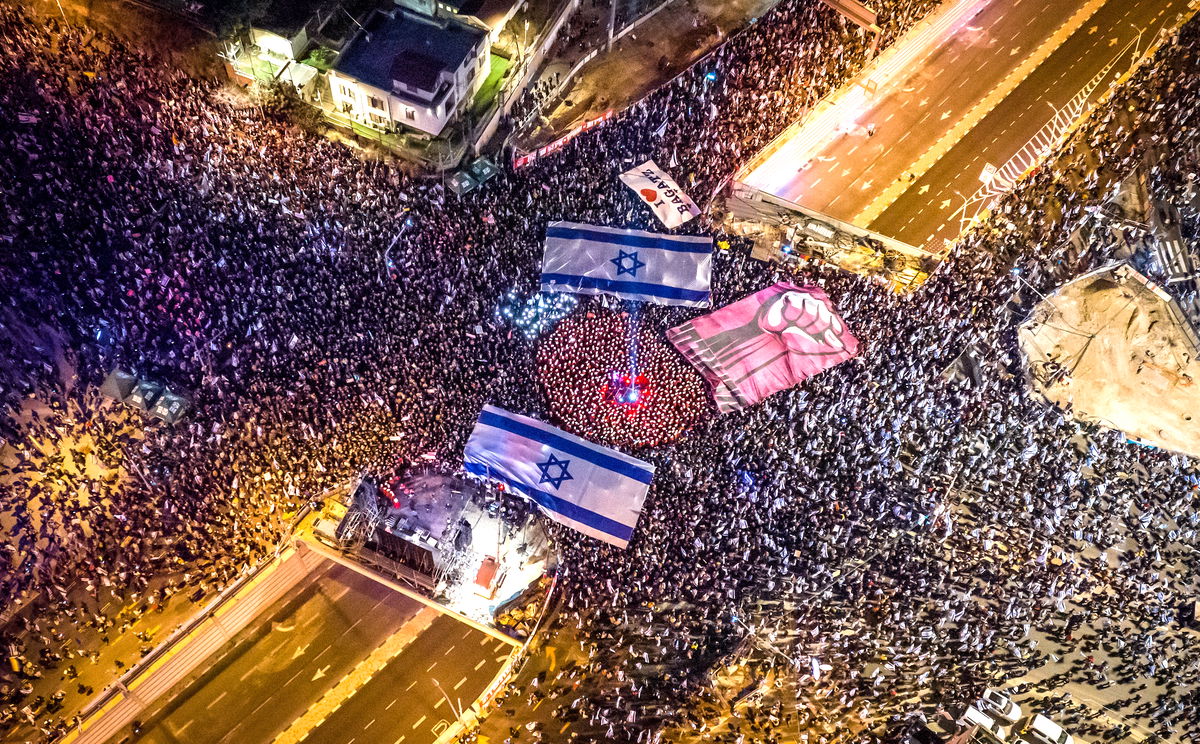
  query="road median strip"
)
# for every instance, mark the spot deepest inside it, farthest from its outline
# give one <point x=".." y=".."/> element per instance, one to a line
<point x="362" y="673"/>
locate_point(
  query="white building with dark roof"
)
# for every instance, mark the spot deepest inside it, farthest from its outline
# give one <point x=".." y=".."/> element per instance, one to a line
<point x="406" y="69"/>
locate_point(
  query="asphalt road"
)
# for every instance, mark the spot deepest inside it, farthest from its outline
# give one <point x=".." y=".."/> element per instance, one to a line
<point x="849" y="174"/>
<point x="402" y="703"/>
<point x="846" y="175"/>
<point x="274" y="670"/>
<point x="927" y="216"/>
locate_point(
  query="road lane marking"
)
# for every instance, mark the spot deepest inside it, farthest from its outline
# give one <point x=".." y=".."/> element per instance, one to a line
<point x="448" y="651"/>
<point x="484" y="641"/>
<point x="431" y="666"/>
<point x="260" y="705"/>
<point x="249" y="671"/>
<point x="438" y="704"/>
<point x="461" y="682"/>
<point x="368" y="724"/>
<point x="481" y="663"/>
<point x="418" y="723"/>
<point x="389" y="705"/>
<point x="410" y="685"/>
<point x="216" y="700"/>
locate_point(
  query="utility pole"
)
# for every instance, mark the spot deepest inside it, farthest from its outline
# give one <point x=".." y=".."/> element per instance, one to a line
<point x="612" y="23"/>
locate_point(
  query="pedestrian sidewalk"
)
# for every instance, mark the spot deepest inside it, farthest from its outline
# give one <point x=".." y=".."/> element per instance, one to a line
<point x="549" y="654"/>
<point x="100" y="657"/>
<point x="663" y="45"/>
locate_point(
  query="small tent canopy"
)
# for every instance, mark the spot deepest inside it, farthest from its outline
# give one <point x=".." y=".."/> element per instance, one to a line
<point x="118" y="385"/>
<point x="144" y="394"/>
<point x="462" y="183"/>
<point x="482" y="170"/>
<point x="170" y="407"/>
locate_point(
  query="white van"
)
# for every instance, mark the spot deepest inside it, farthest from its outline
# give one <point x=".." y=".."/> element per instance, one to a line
<point x="1037" y="729"/>
<point x="972" y="716"/>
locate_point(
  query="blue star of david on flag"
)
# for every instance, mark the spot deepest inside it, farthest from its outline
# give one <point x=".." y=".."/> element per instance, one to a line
<point x="607" y="487"/>
<point x="563" y="473"/>
<point x="631" y="256"/>
<point x="650" y="267"/>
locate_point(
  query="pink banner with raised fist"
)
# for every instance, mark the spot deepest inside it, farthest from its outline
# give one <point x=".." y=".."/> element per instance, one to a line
<point x="764" y="343"/>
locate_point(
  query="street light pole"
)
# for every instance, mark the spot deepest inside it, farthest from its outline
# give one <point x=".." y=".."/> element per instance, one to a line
<point x="612" y="23"/>
<point x="388" y="250"/>
<point x="453" y="707"/>
<point x="1016" y="271"/>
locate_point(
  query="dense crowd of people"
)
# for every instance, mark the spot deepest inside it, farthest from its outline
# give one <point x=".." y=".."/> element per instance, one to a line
<point x="150" y="224"/>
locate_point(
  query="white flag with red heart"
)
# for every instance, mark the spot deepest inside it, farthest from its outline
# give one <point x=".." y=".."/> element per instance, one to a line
<point x="661" y="193"/>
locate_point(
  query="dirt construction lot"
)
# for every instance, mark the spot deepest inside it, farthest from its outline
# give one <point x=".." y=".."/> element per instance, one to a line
<point x="1110" y="348"/>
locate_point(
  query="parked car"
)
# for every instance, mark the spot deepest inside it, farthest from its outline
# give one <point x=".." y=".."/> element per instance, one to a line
<point x="1037" y="729"/>
<point x="999" y="706"/>
<point x="983" y="723"/>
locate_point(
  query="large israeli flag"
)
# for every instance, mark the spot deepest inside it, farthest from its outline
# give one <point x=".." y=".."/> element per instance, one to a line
<point x="633" y="264"/>
<point x="593" y="489"/>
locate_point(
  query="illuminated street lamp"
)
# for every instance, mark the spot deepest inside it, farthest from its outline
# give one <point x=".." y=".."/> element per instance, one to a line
<point x="386" y="251"/>
<point x="1016" y="272"/>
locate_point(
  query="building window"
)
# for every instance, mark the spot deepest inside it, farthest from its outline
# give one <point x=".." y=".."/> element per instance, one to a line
<point x="377" y="118"/>
<point x="410" y="114"/>
<point x="346" y="92"/>
<point x="376" y="103"/>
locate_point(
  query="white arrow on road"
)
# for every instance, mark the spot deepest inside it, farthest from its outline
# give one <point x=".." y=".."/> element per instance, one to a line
<point x="321" y="672"/>
<point x="300" y="651"/>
